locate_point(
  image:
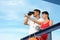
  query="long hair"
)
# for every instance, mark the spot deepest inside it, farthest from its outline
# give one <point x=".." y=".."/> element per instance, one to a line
<point x="45" y="12"/>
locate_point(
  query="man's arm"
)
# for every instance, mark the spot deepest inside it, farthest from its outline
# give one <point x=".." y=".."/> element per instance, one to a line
<point x="35" y="21"/>
<point x="26" y="21"/>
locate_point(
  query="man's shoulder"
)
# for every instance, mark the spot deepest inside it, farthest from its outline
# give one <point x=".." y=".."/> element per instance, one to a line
<point x="40" y="19"/>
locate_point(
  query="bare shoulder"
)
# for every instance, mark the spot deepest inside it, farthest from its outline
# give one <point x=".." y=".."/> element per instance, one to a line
<point x="51" y="20"/>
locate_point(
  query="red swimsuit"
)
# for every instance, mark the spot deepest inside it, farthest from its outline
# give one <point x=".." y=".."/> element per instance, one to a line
<point x="44" y="36"/>
<point x="44" y="26"/>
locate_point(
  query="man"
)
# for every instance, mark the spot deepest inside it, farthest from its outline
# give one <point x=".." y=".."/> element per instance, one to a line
<point x="38" y="21"/>
<point x="33" y="26"/>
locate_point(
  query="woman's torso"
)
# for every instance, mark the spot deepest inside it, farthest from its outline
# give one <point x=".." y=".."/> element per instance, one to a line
<point x="45" y="24"/>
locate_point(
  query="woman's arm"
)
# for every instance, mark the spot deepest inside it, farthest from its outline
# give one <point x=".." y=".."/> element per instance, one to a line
<point x="50" y="23"/>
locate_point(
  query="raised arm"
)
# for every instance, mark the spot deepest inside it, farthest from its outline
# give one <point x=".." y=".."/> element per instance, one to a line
<point x="26" y="21"/>
<point x="34" y="20"/>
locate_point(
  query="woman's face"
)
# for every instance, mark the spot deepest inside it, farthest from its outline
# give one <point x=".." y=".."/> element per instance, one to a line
<point x="44" y="16"/>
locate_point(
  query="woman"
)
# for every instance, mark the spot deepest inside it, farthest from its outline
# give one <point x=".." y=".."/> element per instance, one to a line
<point x="47" y="23"/>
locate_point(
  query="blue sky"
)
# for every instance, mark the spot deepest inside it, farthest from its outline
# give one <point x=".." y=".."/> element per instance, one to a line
<point x="12" y="16"/>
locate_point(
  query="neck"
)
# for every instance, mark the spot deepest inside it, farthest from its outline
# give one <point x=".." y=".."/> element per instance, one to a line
<point x="45" y="18"/>
<point x="37" y="17"/>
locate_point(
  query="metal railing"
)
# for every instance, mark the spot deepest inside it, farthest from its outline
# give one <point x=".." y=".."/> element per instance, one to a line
<point x="41" y="32"/>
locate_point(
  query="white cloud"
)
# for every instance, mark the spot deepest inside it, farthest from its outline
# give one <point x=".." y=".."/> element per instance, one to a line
<point x="12" y="33"/>
<point x="24" y="30"/>
<point x="13" y="30"/>
<point x="9" y="15"/>
<point x="12" y="3"/>
<point x="8" y="30"/>
<point x="8" y="36"/>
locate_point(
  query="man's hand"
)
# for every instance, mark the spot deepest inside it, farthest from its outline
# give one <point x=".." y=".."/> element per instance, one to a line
<point x="27" y="16"/>
<point x="26" y="20"/>
<point x="41" y="28"/>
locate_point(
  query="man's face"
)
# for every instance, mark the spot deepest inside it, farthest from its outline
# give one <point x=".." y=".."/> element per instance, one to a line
<point x="36" y="13"/>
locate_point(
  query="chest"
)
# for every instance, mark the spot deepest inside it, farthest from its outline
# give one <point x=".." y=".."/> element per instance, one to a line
<point x="45" y="25"/>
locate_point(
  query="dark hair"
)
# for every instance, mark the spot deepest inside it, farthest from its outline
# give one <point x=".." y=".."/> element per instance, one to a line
<point x="30" y="12"/>
<point x="37" y="10"/>
<point x="45" y="12"/>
